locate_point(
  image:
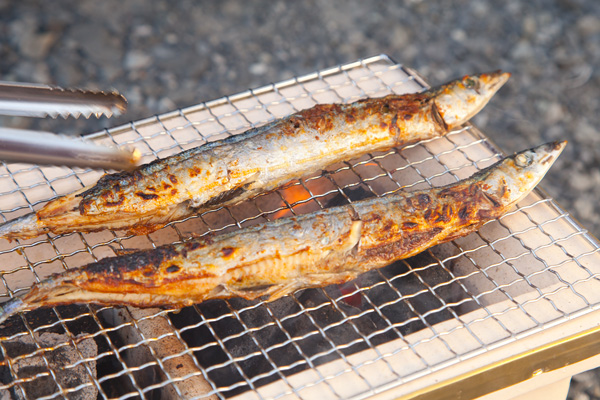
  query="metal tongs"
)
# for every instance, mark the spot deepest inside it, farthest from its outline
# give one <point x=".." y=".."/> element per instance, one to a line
<point x="38" y="147"/>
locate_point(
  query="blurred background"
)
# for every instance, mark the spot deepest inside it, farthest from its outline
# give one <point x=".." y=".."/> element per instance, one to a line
<point x="164" y="55"/>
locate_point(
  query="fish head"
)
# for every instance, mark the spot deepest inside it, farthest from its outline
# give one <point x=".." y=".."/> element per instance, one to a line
<point x="512" y="178"/>
<point x="459" y="100"/>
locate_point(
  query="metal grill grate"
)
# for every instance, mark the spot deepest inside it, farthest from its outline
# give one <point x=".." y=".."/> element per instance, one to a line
<point x="532" y="270"/>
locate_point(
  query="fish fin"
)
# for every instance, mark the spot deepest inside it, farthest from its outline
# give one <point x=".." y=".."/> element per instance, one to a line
<point x="437" y="117"/>
<point x="250" y="293"/>
<point x="226" y="291"/>
<point x="355" y="235"/>
<point x="227" y="196"/>
<point x="124" y="252"/>
<point x="12" y="307"/>
<point x="273" y="291"/>
<point x="223" y="197"/>
<point x="278" y="291"/>
<point x="23" y="227"/>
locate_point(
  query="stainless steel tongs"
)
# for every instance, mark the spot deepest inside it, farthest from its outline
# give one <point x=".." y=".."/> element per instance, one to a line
<point x="39" y="147"/>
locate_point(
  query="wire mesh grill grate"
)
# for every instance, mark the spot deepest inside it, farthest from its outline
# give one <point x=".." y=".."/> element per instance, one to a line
<point x="532" y="269"/>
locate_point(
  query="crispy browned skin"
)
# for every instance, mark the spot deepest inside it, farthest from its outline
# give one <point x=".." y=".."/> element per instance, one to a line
<point x="317" y="249"/>
<point x="262" y="159"/>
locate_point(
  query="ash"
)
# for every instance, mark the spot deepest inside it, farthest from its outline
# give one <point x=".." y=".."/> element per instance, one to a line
<point x="52" y="362"/>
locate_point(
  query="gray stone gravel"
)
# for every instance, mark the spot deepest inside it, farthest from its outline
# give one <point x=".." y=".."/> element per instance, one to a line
<point x="167" y="54"/>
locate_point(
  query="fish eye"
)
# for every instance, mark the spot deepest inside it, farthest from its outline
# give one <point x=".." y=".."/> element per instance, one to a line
<point x="523" y="160"/>
<point x="471" y="83"/>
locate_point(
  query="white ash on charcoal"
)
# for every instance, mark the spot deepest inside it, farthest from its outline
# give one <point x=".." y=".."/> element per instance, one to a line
<point x="55" y="365"/>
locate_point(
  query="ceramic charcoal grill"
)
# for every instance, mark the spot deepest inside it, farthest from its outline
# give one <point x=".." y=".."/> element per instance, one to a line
<point x="491" y="304"/>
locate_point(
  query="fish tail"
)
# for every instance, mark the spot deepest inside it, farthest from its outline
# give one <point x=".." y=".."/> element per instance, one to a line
<point x="23" y="227"/>
<point x="12" y="307"/>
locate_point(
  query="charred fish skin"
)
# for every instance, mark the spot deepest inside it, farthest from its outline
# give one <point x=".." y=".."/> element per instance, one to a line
<point x="276" y="258"/>
<point x="234" y="169"/>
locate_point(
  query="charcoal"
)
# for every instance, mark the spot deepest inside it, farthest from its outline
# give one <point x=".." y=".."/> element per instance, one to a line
<point x="46" y="369"/>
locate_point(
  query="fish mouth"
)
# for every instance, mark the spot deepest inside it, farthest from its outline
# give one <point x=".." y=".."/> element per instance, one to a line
<point x="550" y="151"/>
<point x="493" y="81"/>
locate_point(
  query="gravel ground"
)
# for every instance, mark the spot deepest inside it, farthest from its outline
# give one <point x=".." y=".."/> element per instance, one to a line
<point x="167" y="54"/>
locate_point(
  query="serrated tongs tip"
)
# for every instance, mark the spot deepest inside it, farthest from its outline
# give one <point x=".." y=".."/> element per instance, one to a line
<point x="33" y="100"/>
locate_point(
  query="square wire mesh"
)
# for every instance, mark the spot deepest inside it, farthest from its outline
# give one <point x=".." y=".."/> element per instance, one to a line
<point x="532" y="269"/>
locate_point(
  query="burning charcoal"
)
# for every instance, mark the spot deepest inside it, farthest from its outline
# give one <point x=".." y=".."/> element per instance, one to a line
<point x="239" y="340"/>
<point x="414" y="280"/>
<point x="208" y="325"/>
<point x="75" y="314"/>
<point x="325" y="328"/>
<point x="354" y="194"/>
<point x="217" y="316"/>
<point x="54" y="361"/>
<point x="356" y="301"/>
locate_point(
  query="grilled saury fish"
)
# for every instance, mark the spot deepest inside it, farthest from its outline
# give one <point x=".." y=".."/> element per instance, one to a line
<point x="275" y="258"/>
<point x="234" y="169"/>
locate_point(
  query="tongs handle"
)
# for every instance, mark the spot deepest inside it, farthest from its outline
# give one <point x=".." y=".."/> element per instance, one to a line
<point x="19" y="145"/>
<point x="33" y="100"/>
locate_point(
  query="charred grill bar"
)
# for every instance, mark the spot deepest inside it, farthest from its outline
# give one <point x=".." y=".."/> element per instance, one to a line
<point x="527" y="279"/>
